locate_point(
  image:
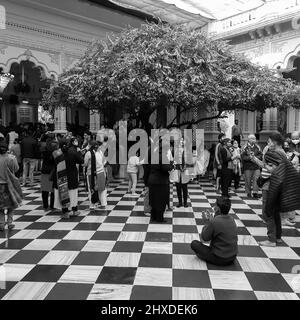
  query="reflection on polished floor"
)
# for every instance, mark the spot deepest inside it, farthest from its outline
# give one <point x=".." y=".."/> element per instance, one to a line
<point x="119" y="254"/>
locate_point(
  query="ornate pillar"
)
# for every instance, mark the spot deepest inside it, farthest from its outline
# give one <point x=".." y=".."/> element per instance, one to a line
<point x="95" y="121"/>
<point x="293" y="120"/>
<point x="269" y="124"/>
<point x="60" y="117"/>
<point x="247" y="121"/>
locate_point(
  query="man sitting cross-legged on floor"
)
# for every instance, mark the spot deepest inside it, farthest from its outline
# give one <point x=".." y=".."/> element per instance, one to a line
<point x="221" y="231"/>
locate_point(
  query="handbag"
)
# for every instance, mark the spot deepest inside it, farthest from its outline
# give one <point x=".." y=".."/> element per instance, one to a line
<point x="174" y="176"/>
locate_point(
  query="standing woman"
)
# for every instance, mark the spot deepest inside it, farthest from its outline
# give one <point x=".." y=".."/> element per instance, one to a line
<point x="48" y="167"/>
<point x="218" y="161"/>
<point x="227" y="168"/>
<point x="10" y="189"/>
<point x="159" y="188"/>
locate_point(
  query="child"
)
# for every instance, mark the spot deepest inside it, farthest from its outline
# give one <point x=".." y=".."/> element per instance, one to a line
<point x="132" y="170"/>
<point x="221" y="231"/>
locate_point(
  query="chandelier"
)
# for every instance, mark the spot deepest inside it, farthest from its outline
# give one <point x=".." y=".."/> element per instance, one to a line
<point x="5" y="78"/>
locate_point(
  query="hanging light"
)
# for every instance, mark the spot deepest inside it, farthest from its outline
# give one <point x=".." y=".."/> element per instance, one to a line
<point x="5" y="78"/>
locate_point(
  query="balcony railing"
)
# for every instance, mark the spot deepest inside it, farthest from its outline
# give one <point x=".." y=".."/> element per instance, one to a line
<point x="271" y="11"/>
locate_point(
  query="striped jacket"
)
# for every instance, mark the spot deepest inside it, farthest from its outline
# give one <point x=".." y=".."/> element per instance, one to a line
<point x="284" y="189"/>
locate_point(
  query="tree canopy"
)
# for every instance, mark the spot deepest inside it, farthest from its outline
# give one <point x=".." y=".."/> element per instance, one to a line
<point x="141" y="69"/>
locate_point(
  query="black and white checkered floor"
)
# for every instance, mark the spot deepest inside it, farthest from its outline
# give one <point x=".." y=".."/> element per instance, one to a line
<point x="119" y="254"/>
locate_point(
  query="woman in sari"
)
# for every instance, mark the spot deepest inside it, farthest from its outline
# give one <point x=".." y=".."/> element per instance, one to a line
<point x="66" y="178"/>
<point x="10" y="189"/>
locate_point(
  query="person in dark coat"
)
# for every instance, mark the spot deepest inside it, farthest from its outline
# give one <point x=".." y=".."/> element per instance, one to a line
<point x="47" y="170"/>
<point x="159" y="187"/>
<point x="283" y="195"/>
<point x="147" y="169"/>
<point x="30" y="155"/>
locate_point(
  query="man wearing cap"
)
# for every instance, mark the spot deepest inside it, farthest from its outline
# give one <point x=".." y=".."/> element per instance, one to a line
<point x="251" y="169"/>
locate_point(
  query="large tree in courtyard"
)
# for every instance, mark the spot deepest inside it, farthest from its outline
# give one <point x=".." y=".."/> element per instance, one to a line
<point x="162" y="66"/>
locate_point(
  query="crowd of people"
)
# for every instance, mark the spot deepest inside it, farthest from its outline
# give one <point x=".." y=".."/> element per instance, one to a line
<point x="66" y="160"/>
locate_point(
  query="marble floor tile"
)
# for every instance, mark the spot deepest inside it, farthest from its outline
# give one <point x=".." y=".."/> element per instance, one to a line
<point x="251" y="264"/>
<point x="36" y="213"/>
<point x="29" y="291"/>
<point x="293" y="280"/>
<point x="21" y="225"/>
<point x="184" y="221"/>
<point x="151" y="293"/>
<point x="252" y="217"/>
<point x="120" y="213"/>
<point x="42" y="244"/>
<point x="267" y="295"/>
<point x="232" y="280"/>
<point x="157" y="247"/>
<point x="16" y="272"/>
<point x="81" y="274"/>
<point x="185" y="237"/>
<point x="138" y="220"/>
<point x="28" y="207"/>
<point x="239" y="206"/>
<point x="49" y="219"/>
<point x="132" y="236"/>
<point x="27" y="234"/>
<point x="59" y="257"/>
<point x="110" y="292"/>
<point x="245" y="240"/>
<point x="201" y="205"/>
<point x="192" y="294"/>
<point x="93" y="219"/>
<point x="6" y="254"/>
<point x="154" y="277"/>
<point x="292" y="241"/>
<point x="99" y="246"/>
<point x="79" y="235"/>
<point x="257" y="231"/>
<point x="160" y="228"/>
<point x="111" y="227"/>
<point x="127" y="203"/>
<point x="123" y="259"/>
<point x="189" y="262"/>
<point x="239" y="223"/>
<point x="70" y="291"/>
<point x="63" y="226"/>
<point x="280" y="253"/>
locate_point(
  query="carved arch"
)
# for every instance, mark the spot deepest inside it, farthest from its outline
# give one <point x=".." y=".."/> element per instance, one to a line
<point x="27" y="55"/>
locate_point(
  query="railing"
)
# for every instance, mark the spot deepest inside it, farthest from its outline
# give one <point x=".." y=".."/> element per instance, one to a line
<point x="269" y="11"/>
